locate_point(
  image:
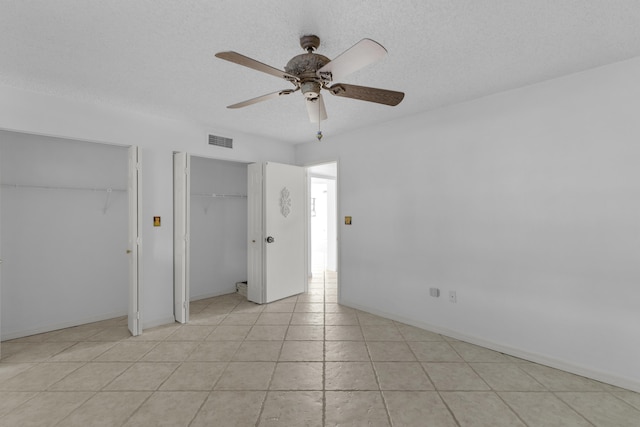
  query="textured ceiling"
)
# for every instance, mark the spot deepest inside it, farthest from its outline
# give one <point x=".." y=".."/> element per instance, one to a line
<point x="157" y="56"/>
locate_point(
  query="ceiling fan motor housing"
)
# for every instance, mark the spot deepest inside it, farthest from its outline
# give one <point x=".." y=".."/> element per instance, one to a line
<point x="306" y="64"/>
<point x="304" y="67"/>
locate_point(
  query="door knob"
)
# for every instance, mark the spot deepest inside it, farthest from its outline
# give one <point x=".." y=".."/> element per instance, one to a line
<point x="270" y="239"/>
<point x="128" y="251"/>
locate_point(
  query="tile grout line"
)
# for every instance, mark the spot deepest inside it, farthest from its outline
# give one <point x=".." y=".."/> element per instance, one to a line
<point x="206" y="399"/>
<point x="324" y="349"/>
<point x="571" y="407"/>
<point x="273" y="373"/>
<point x="75" y="409"/>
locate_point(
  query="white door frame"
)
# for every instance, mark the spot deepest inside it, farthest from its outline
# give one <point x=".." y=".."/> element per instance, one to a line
<point x="134" y="225"/>
<point x="181" y="232"/>
<point x="338" y="222"/>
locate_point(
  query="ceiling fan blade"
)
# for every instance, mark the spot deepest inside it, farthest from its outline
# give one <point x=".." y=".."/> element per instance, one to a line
<point x="316" y="109"/>
<point x="371" y="94"/>
<point x="245" y="61"/>
<point x="363" y="53"/>
<point x="262" y="98"/>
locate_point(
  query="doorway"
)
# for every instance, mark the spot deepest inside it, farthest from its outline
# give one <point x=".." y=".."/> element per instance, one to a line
<point x="323" y="224"/>
<point x="65" y="240"/>
<point x="210" y="230"/>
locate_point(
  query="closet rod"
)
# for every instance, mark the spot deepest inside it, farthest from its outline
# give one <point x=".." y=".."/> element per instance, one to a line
<point x="45" y="187"/>
<point x="236" y="196"/>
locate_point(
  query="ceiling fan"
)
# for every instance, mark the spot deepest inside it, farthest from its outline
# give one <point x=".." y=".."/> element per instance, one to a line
<point x="310" y="72"/>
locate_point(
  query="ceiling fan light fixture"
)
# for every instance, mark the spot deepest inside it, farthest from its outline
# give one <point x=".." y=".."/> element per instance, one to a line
<point x="311" y="90"/>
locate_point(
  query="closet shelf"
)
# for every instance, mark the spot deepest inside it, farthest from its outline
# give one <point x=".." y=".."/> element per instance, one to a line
<point x="207" y="198"/>
<point x="108" y="191"/>
<point x="46" y="187"/>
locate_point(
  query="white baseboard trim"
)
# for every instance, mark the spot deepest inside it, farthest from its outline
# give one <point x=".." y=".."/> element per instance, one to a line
<point x="541" y="359"/>
<point x="62" y="325"/>
<point x="230" y="290"/>
<point x="148" y="324"/>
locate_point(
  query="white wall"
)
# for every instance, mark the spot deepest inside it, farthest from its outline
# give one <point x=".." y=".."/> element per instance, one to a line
<point x="218" y="244"/>
<point x="158" y="137"/>
<point x="526" y="203"/>
<point x="64" y="249"/>
<point x="332" y="226"/>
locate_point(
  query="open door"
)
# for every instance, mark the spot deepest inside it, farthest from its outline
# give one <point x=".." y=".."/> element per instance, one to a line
<point x="135" y="241"/>
<point x="277" y="201"/>
<point x="181" y="202"/>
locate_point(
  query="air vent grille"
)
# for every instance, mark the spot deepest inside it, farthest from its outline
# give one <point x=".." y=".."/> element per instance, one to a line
<point x="220" y="141"/>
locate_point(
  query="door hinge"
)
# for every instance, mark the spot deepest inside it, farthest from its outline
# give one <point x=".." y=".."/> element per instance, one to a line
<point x="138" y="166"/>
<point x="137" y="315"/>
<point x="186" y="305"/>
<point x="139" y="241"/>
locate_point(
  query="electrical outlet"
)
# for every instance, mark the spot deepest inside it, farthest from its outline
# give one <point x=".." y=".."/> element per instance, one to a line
<point x="452" y="297"/>
<point x="434" y="292"/>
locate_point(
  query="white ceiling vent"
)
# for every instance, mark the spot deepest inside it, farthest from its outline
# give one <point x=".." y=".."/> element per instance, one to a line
<point x="220" y="141"/>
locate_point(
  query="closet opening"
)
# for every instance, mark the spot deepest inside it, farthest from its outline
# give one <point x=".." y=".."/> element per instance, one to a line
<point x="64" y="224"/>
<point x="210" y="231"/>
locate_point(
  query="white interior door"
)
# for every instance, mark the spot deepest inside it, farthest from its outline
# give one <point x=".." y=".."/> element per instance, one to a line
<point x="277" y="231"/>
<point x="181" y="203"/>
<point x="135" y="241"/>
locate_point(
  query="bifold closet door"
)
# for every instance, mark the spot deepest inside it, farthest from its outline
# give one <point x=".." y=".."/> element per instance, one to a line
<point x="181" y="202"/>
<point x="134" y="249"/>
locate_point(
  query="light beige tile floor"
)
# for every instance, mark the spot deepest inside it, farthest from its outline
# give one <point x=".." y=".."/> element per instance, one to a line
<point x="302" y="361"/>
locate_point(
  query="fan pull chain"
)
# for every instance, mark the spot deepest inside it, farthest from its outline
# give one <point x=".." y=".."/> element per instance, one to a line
<point x="319" y="134"/>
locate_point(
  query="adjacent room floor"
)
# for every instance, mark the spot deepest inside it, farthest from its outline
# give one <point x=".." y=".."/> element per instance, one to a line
<point x="303" y="361"/>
